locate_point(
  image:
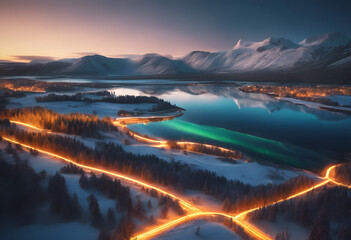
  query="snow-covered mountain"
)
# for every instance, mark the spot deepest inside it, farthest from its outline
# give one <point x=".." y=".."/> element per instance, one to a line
<point x="97" y="65"/>
<point x="333" y="39"/>
<point x="154" y="64"/>
<point x="329" y="53"/>
<point x="274" y="54"/>
<point x="266" y="44"/>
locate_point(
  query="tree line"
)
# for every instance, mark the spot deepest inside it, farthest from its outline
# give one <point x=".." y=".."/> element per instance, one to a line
<point x="161" y="105"/>
<point x="315" y="211"/>
<point x="342" y="173"/>
<point x="21" y="193"/>
<point x="73" y="123"/>
<point x="202" y="148"/>
<point x="112" y="189"/>
<point x="235" y="194"/>
<point x="23" y="196"/>
<point x="164" y="201"/>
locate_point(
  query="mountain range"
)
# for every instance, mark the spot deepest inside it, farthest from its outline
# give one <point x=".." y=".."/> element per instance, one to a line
<point x="316" y="57"/>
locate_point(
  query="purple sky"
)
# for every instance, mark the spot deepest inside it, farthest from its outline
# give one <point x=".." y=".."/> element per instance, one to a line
<point x="65" y="28"/>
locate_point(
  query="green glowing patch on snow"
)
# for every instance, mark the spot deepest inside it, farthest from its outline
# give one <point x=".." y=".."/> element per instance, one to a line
<point x="260" y="147"/>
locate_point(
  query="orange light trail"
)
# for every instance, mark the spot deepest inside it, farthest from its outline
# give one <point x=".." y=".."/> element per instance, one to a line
<point x="328" y="180"/>
<point x="242" y="214"/>
<point x="28" y="125"/>
<point x="252" y="230"/>
<point x="182" y="202"/>
<point x="327" y="176"/>
<point x="161" y="143"/>
<point x="249" y="228"/>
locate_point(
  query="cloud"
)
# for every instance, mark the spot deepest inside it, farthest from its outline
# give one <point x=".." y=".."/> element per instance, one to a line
<point x="130" y="56"/>
<point x="34" y="58"/>
<point x="85" y="53"/>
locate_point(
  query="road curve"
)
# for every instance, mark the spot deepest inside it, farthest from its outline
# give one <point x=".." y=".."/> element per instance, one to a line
<point x="194" y="212"/>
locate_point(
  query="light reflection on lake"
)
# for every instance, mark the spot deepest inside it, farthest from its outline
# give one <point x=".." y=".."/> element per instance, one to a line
<point x="259" y="125"/>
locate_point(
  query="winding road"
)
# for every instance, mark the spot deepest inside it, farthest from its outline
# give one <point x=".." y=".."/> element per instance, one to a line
<point x="192" y="211"/>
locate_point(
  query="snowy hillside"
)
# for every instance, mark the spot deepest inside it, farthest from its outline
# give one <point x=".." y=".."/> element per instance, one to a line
<point x="97" y="64"/>
<point x="274" y="54"/>
<point x="154" y="64"/>
<point x="333" y="39"/>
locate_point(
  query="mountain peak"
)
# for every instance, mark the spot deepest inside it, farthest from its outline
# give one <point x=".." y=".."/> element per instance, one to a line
<point x="152" y="57"/>
<point x="331" y="39"/>
<point x="243" y="44"/>
<point x="268" y="43"/>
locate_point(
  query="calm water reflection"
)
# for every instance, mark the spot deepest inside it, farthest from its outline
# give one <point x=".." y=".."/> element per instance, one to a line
<point x="259" y="125"/>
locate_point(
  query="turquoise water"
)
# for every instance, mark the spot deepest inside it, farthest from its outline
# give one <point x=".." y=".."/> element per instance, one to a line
<point x="273" y="151"/>
<point x="262" y="127"/>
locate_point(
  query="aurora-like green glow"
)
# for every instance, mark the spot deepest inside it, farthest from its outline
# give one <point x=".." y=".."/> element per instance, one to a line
<point x="261" y="148"/>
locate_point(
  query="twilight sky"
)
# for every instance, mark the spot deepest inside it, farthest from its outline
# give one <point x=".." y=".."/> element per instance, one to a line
<point x="34" y="29"/>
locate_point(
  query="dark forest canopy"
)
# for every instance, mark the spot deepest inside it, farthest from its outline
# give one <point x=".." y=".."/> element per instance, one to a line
<point x="86" y="125"/>
<point x="161" y="105"/>
<point x="23" y="194"/>
<point x="342" y="173"/>
<point x="151" y="168"/>
<point x="315" y="211"/>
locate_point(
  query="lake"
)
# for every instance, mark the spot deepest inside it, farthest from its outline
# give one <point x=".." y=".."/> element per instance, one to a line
<point x="262" y="127"/>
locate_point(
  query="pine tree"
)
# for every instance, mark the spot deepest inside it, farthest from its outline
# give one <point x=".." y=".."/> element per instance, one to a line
<point x="129" y="205"/>
<point x="149" y="204"/>
<point x="76" y="208"/>
<point x="110" y="219"/>
<point x="321" y="228"/>
<point x="344" y="231"/>
<point x="226" y="205"/>
<point x="198" y="231"/>
<point x="164" y="211"/>
<point x="104" y="236"/>
<point x="125" y="228"/>
<point x="283" y="235"/>
<point x="139" y="211"/>
<point x="83" y="181"/>
<point x="96" y="217"/>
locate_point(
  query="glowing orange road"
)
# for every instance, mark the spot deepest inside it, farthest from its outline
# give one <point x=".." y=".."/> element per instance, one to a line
<point x="182" y="202"/>
<point x="249" y="228"/>
<point x="328" y="180"/>
<point x="327" y="176"/>
<point x="28" y="125"/>
<point x="252" y="230"/>
<point x="241" y="215"/>
<point x="327" y="173"/>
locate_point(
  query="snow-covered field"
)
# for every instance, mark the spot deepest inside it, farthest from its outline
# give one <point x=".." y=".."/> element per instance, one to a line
<point x="208" y="230"/>
<point x="248" y="172"/>
<point x="252" y="173"/>
<point x="100" y="108"/>
<point x="67" y="231"/>
<point x="296" y="232"/>
<point x="315" y="105"/>
<point x="342" y="100"/>
<point x="52" y="165"/>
